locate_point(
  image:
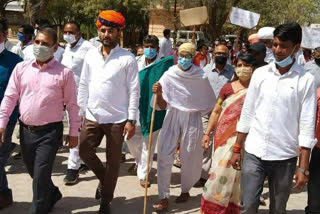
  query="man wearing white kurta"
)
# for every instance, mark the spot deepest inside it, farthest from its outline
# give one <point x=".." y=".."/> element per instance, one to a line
<point x="185" y="91"/>
<point x="165" y="44"/>
<point x="138" y="145"/>
<point x="73" y="58"/>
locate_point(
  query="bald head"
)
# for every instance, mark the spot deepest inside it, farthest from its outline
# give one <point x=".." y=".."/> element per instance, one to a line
<point x="222" y="50"/>
<point x="220" y="56"/>
<point x="253" y="38"/>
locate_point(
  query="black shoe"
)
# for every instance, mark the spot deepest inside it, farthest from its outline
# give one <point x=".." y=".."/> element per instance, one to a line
<point x="71" y="177"/>
<point x="17" y="156"/>
<point x="12" y="147"/>
<point x="200" y="183"/>
<point x="99" y="191"/>
<point x="6" y="199"/>
<point x="83" y="168"/>
<point x="123" y="158"/>
<point x="104" y="207"/>
<point x="55" y="198"/>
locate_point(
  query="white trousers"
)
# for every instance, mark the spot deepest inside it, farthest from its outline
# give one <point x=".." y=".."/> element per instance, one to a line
<point x="187" y="127"/>
<point x="74" y="160"/>
<point x="138" y="147"/>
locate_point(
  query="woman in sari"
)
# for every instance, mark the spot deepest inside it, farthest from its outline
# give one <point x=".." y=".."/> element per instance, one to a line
<point x="222" y="190"/>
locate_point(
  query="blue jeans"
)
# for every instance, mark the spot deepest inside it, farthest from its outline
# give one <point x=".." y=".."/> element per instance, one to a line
<point x="280" y="177"/>
<point x="5" y="151"/>
<point x="314" y="183"/>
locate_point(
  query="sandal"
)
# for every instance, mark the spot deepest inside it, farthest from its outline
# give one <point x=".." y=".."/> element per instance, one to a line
<point x="162" y="205"/>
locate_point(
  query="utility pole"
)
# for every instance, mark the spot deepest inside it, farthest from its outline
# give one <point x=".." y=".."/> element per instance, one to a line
<point x="175" y="22"/>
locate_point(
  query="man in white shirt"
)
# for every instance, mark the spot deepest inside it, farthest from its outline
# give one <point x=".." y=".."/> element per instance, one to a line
<point x="24" y="35"/>
<point x="8" y="45"/>
<point x="138" y="145"/>
<point x="73" y="58"/>
<point x="165" y="44"/>
<point x="185" y="91"/>
<point x="108" y="98"/>
<point x="278" y="117"/>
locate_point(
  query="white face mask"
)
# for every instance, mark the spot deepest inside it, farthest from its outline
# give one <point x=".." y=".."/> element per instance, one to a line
<point x="2" y="47"/>
<point x="42" y="53"/>
<point x="69" y="38"/>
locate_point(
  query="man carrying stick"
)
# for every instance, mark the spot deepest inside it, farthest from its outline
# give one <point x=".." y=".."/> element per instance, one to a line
<point x="185" y="92"/>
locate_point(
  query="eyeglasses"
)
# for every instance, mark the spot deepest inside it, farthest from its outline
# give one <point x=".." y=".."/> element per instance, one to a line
<point x="185" y="56"/>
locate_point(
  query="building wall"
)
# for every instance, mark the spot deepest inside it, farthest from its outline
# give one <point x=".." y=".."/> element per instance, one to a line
<point x="160" y="19"/>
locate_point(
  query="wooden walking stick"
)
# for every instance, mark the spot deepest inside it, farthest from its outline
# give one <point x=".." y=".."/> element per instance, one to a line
<point x="149" y="154"/>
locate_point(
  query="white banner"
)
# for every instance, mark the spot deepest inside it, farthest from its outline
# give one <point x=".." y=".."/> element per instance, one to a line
<point x="243" y="18"/>
<point x="194" y="16"/>
<point x="310" y="38"/>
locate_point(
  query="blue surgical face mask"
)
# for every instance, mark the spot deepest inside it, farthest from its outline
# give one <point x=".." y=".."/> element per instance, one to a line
<point x="184" y="63"/>
<point x="287" y="61"/>
<point x="150" y="53"/>
<point x="21" y="37"/>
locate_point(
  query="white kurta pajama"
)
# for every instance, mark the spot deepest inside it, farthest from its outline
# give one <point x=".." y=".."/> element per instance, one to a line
<point x="73" y="58"/>
<point x="188" y="94"/>
<point x="138" y="145"/>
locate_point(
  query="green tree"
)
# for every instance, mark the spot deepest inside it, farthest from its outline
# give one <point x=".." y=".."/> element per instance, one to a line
<point x="36" y="8"/>
<point x="274" y="12"/>
<point x="86" y="12"/>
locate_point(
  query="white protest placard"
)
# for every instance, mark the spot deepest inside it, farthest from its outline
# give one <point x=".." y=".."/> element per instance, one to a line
<point x="194" y="16"/>
<point x="243" y="18"/>
<point x="310" y="38"/>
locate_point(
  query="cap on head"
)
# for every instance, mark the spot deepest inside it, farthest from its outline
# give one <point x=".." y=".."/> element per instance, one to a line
<point x="110" y="18"/>
<point x="266" y="33"/>
<point x="253" y="38"/>
<point x="258" y="47"/>
<point x="188" y="47"/>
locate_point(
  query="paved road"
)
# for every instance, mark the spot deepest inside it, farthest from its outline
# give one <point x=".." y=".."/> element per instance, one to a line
<point x="128" y="196"/>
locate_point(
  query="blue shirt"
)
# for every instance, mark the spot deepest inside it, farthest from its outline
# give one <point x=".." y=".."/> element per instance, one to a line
<point x="8" y="61"/>
<point x="218" y="79"/>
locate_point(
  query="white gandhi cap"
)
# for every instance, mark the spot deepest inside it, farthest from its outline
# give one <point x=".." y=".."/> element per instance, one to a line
<point x="266" y="33"/>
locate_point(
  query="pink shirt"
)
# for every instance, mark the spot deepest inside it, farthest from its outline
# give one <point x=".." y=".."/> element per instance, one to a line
<point x="41" y="93"/>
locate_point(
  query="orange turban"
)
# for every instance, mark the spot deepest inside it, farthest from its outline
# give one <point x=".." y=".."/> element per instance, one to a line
<point x="110" y="18"/>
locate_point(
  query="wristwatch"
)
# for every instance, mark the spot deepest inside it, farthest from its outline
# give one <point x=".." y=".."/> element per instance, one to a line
<point x="133" y="122"/>
<point x="303" y="171"/>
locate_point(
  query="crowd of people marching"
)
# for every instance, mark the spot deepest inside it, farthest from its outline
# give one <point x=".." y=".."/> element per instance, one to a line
<point x="233" y="118"/>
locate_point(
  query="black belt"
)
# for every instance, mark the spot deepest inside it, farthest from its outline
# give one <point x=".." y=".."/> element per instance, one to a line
<point x="40" y="128"/>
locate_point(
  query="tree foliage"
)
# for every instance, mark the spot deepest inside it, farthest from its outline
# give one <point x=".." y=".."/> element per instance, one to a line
<point x="274" y="12"/>
<point x="86" y="12"/>
<point x="36" y="8"/>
